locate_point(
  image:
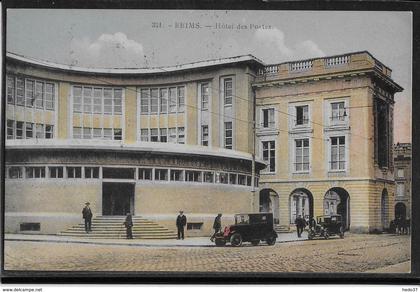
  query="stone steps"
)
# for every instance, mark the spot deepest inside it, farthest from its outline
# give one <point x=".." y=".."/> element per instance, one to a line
<point x="282" y="228"/>
<point x="112" y="227"/>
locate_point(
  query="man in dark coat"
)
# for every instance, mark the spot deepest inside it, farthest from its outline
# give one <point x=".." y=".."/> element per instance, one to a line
<point x="300" y="225"/>
<point x="181" y="221"/>
<point x="217" y="225"/>
<point x="87" y="215"/>
<point x="128" y="223"/>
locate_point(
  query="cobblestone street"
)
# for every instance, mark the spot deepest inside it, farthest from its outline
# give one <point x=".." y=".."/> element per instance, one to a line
<point x="355" y="253"/>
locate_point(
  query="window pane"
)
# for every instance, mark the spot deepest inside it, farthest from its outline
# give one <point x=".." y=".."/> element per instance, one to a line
<point x="10" y="129"/>
<point x="77" y="99"/>
<point x="20" y="91"/>
<point x="172" y="99"/>
<point x="144" y="101"/>
<point x="49" y="96"/>
<point x="97" y="100"/>
<point x="10" y="89"/>
<point x="117" y="101"/>
<point x="30" y="98"/>
<point x="39" y="94"/>
<point x="107" y="101"/>
<point x="107" y="134"/>
<point x="163" y="100"/>
<point x="144" y="135"/>
<point x="181" y="98"/>
<point x="29" y="130"/>
<point x="117" y="134"/>
<point x="154" y="99"/>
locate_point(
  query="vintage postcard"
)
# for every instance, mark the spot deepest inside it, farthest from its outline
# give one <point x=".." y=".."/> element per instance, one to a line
<point x="207" y="141"/>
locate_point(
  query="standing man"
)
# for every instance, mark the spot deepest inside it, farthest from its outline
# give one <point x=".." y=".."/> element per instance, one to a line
<point x="300" y="225"/>
<point x="128" y="223"/>
<point x="217" y="226"/>
<point x="87" y="215"/>
<point x="181" y="221"/>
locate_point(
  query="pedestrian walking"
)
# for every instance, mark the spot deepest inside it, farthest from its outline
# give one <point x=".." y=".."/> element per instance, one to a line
<point x="217" y="226"/>
<point x="128" y="223"/>
<point x="87" y="216"/>
<point x="300" y="225"/>
<point x="181" y="221"/>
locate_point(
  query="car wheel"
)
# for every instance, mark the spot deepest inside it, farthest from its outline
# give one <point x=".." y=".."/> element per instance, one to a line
<point x="236" y="239"/>
<point x="220" y="242"/>
<point x="271" y="240"/>
<point x="311" y="235"/>
<point x="326" y="235"/>
<point x="255" y="242"/>
<point x="341" y="232"/>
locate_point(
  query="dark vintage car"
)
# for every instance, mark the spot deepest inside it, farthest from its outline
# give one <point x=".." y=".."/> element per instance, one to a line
<point x="326" y="226"/>
<point x="253" y="227"/>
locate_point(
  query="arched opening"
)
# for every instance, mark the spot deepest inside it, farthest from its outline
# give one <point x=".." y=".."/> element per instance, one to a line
<point x="337" y="202"/>
<point x="400" y="211"/>
<point x="269" y="202"/>
<point x="384" y="209"/>
<point x="301" y="203"/>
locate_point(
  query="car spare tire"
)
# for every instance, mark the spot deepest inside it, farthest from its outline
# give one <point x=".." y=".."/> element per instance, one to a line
<point x="271" y="240"/>
<point x="236" y="239"/>
<point x="220" y="242"/>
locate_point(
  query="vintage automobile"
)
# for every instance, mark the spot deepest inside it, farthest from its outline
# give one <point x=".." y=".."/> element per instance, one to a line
<point x="252" y="227"/>
<point x="326" y="226"/>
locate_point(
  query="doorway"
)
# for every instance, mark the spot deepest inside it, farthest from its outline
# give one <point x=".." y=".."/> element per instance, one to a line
<point x="117" y="199"/>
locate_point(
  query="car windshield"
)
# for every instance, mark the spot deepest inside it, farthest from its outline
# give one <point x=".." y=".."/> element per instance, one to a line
<point x="241" y="219"/>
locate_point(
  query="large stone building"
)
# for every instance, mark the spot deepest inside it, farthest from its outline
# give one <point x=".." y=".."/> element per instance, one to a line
<point x="155" y="141"/>
<point x="402" y="165"/>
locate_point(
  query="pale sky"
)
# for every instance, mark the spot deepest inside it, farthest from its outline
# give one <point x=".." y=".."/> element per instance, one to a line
<point x="126" y="38"/>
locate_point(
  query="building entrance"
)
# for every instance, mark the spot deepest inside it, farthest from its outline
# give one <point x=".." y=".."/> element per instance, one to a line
<point x="117" y="198"/>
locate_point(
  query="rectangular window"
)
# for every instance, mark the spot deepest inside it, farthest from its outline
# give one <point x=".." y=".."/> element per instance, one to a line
<point x="228" y="135"/>
<point x="39" y="134"/>
<point x="107" y="101"/>
<point x="19" y="130"/>
<point x="338" y="158"/>
<point x="49" y="96"/>
<point x="191" y="175"/>
<point x="29" y="130"/>
<point x="163" y="100"/>
<point x="144" y="101"/>
<point x="87" y="133"/>
<point x="117" y="101"/>
<point x="118" y="172"/>
<point x="10" y="129"/>
<point x="241" y="179"/>
<point x="248" y="180"/>
<point x="400" y="190"/>
<point x="302" y="115"/>
<point x="144" y="135"/>
<point x="15" y="172"/>
<point x="400" y="172"/>
<point x="145" y="173"/>
<point x="163" y="135"/>
<point x="172" y="135"/>
<point x="87" y="100"/>
<point x="232" y="178"/>
<point x="228" y="93"/>
<point x="97" y="133"/>
<point x="74" y="172"/>
<point x="181" y="135"/>
<point x="107" y="134"/>
<point x="194" y="226"/>
<point x="223" y="178"/>
<point x="10" y="89"/>
<point x="77" y="133"/>
<point x="30" y="226"/>
<point x="337" y="111"/>
<point x="97" y="100"/>
<point x="39" y="94"/>
<point x="35" y="172"/>
<point x="117" y="134"/>
<point x="161" y="174"/>
<point x="181" y="99"/>
<point x="154" y="101"/>
<point x="30" y="97"/>
<point x="172" y="100"/>
<point x="205" y="135"/>
<point x="269" y="155"/>
<point x="77" y="99"/>
<point x="177" y="175"/>
<point x="268" y="118"/>
<point x="91" y="172"/>
<point x="55" y="171"/>
<point x="49" y="131"/>
<point x="302" y="155"/>
<point x="154" y="135"/>
<point x="20" y="91"/>
<point x="208" y="176"/>
<point x="205" y="91"/>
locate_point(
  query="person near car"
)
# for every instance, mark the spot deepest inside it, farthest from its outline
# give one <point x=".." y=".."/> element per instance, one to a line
<point x="87" y="216"/>
<point x="300" y="225"/>
<point x="217" y="225"/>
<point x="181" y="221"/>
